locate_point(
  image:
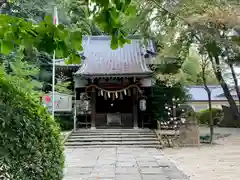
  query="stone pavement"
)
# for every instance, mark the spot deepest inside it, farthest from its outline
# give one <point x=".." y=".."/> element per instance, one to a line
<point x="119" y="164"/>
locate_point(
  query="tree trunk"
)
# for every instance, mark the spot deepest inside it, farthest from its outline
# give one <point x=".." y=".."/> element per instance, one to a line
<point x="218" y="74"/>
<point x="235" y="81"/>
<point x="211" y="123"/>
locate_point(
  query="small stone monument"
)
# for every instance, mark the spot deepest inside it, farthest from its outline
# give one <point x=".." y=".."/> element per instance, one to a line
<point x="189" y="132"/>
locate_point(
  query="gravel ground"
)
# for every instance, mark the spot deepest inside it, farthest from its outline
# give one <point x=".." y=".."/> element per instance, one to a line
<point x="216" y="162"/>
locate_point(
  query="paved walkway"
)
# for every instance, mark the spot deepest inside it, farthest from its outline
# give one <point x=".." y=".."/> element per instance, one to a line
<point x="119" y="164"/>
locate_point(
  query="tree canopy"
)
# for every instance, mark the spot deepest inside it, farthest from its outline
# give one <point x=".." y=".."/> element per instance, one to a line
<point x="44" y="36"/>
<point x="177" y="25"/>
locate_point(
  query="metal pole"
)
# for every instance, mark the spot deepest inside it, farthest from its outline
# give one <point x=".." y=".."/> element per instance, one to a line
<point x="55" y="21"/>
<point x="53" y="85"/>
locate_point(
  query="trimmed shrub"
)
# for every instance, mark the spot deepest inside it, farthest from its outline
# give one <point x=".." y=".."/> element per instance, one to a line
<point x="31" y="146"/>
<point x="65" y="122"/>
<point x="203" y="116"/>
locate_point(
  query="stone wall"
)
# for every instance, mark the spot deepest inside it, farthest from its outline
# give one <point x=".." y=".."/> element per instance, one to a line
<point x="228" y="120"/>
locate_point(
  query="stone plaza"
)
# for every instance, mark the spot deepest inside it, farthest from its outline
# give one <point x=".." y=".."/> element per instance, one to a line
<point x="119" y="164"/>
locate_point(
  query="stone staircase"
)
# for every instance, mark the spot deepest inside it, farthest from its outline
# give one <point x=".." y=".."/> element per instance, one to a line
<point x="113" y="138"/>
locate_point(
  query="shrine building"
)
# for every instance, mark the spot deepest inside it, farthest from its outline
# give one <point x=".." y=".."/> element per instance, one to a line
<point x="112" y="87"/>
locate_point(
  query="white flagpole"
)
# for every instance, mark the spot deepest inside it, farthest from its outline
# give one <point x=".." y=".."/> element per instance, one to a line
<point x="55" y="21"/>
<point x="53" y="85"/>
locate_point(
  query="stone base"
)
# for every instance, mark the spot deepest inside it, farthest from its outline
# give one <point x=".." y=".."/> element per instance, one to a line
<point x="93" y="128"/>
<point x="189" y="134"/>
<point x="158" y="125"/>
<point x="135" y="127"/>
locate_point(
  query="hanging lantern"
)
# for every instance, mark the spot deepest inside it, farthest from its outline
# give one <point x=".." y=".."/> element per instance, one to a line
<point x="121" y="96"/>
<point x="129" y="92"/>
<point x="86" y="104"/>
<point x="105" y="96"/>
<point x="142" y="104"/>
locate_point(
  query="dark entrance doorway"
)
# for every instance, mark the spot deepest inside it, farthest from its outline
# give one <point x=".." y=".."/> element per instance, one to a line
<point x="115" y="113"/>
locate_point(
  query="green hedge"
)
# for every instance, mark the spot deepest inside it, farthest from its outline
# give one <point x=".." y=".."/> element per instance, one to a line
<point x="65" y="122"/>
<point x="203" y="116"/>
<point x="30" y="141"/>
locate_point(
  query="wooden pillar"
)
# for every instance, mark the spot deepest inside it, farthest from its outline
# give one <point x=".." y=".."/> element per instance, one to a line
<point x="93" y="105"/>
<point x="135" y="109"/>
<point x="75" y="111"/>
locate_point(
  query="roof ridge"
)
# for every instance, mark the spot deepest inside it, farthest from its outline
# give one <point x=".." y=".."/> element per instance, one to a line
<point x="202" y="86"/>
<point x="107" y="37"/>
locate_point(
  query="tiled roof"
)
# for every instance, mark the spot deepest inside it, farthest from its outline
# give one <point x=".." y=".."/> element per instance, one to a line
<point x="101" y="60"/>
<point x="234" y="32"/>
<point x="198" y="93"/>
<point x="61" y="62"/>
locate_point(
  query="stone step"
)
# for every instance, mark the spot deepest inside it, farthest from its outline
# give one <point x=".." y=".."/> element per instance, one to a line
<point x="113" y="146"/>
<point x="113" y="143"/>
<point x="114" y="136"/>
<point x="116" y="130"/>
<point x="117" y="139"/>
<point x="110" y="133"/>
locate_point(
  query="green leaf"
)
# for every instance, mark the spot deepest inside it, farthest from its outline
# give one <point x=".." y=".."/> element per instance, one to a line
<point x="114" y="42"/>
<point x="48" y="20"/>
<point x="60" y="34"/>
<point x="114" y="19"/>
<point x="41" y="28"/>
<point x="104" y="3"/>
<point x="73" y="59"/>
<point x="9" y="36"/>
<point x="76" y="40"/>
<point x="46" y="44"/>
<point x="62" y="50"/>
<point x="6" y="47"/>
<point x="60" y="27"/>
<point x="127" y="2"/>
<point x="27" y="43"/>
<point x="59" y="53"/>
<point x="128" y="41"/>
<point x="121" y="41"/>
<point x="77" y="45"/>
<point x="118" y="4"/>
<point x="131" y="10"/>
